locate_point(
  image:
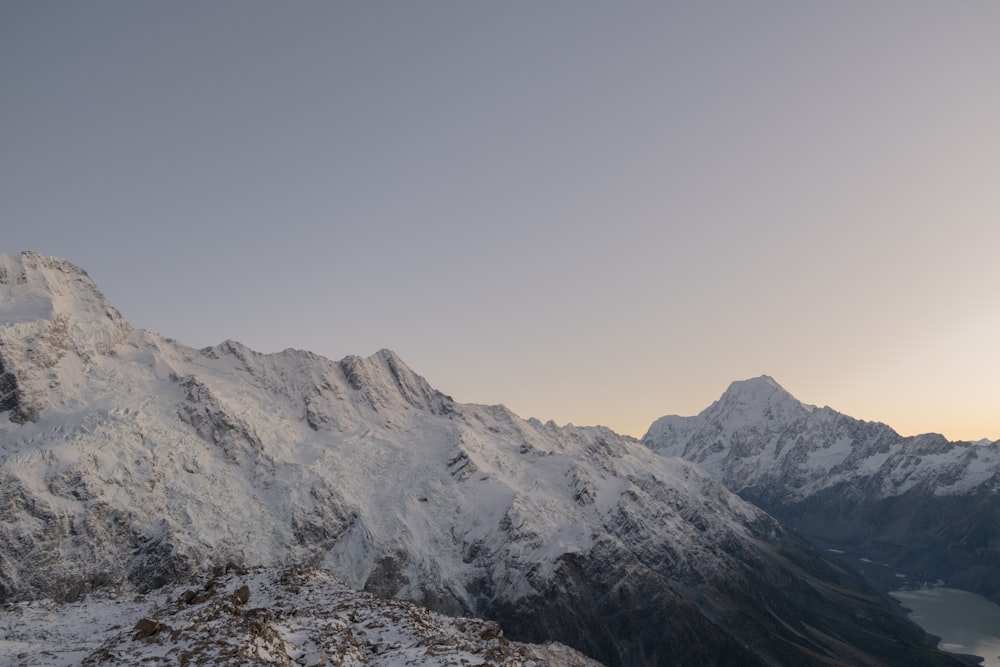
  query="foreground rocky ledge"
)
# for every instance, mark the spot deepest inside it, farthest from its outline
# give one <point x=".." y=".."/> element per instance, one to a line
<point x="265" y="616"/>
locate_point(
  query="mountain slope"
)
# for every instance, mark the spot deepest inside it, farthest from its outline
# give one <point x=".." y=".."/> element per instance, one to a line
<point x="127" y="459"/>
<point x="919" y="506"/>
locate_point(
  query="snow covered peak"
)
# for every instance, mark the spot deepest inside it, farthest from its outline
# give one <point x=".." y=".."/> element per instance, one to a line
<point x="756" y="393"/>
<point x="383" y="379"/>
<point x="34" y="287"/>
<point x="760" y="400"/>
<point x="53" y="321"/>
<point x="38" y="291"/>
<point x="755" y="386"/>
<point x="757" y="435"/>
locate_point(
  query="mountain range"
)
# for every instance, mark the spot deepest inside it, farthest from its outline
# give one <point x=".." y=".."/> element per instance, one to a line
<point x="129" y="461"/>
<point x="902" y="509"/>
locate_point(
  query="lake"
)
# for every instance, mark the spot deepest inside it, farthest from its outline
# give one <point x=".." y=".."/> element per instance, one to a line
<point x="966" y="622"/>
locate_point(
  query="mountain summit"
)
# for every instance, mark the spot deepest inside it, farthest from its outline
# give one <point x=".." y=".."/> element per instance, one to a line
<point x="755" y="399"/>
<point x="130" y="461"/>
<point x="755" y="391"/>
<point x="51" y="314"/>
<point x="746" y="406"/>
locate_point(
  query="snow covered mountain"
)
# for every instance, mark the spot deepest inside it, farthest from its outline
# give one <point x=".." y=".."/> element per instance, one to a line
<point x="922" y="506"/>
<point x="130" y="460"/>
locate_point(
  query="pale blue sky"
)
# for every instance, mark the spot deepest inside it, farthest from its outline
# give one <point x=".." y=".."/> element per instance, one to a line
<point x="597" y="212"/>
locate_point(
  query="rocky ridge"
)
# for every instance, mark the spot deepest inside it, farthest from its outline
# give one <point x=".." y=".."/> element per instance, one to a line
<point x="281" y="617"/>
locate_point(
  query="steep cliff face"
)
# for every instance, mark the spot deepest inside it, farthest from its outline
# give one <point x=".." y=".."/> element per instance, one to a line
<point x="920" y="507"/>
<point x="143" y="462"/>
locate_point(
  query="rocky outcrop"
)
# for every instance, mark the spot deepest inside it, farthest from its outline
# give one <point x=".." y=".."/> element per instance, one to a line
<point x="283" y="617"/>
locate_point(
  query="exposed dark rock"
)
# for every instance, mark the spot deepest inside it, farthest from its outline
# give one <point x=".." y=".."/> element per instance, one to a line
<point x="926" y="537"/>
<point x="8" y="388"/>
<point x="792" y="611"/>
<point x="388" y="576"/>
<point x="235" y="568"/>
<point x="242" y="595"/>
<point x="193" y="597"/>
<point x="158" y="561"/>
<point x="11" y="399"/>
<point x="637" y="620"/>
<point x="147" y="627"/>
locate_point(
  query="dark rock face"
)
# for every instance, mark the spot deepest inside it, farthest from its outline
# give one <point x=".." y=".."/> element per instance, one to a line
<point x="926" y="537"/>
<point x="10" y="397"/>
<point x="635" y="619"/>
<point x="147" y="627"/>
<point x="8" y="389"/>
<point x="802" y="611"/>
<point x="100" y="537"/>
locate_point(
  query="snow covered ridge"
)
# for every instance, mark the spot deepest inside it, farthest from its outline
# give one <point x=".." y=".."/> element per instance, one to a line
<point x="130" y="461"/>
<point x="279" y="616"/>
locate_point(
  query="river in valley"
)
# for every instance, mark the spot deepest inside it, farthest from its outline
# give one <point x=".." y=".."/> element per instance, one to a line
<point x="966" y="622"/>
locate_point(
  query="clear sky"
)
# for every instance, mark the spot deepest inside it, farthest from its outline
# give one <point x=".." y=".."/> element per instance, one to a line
<point x="592" y="212"/>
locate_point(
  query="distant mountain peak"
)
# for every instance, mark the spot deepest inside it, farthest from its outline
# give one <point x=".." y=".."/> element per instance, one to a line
<point x="760" y="381"/>
<point x="759" y="399"/>
<point x="762" y="387"/>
